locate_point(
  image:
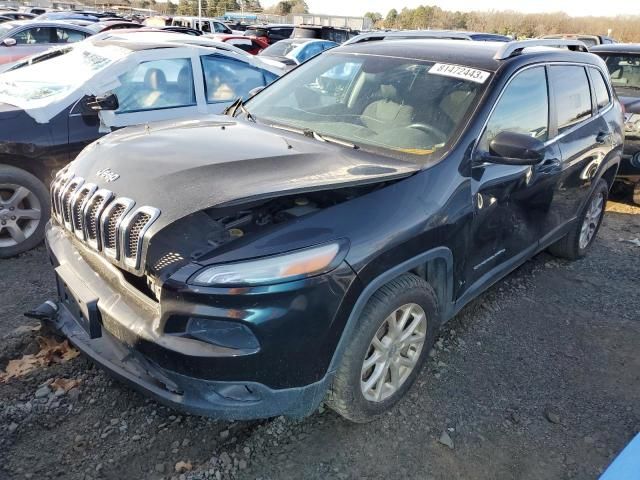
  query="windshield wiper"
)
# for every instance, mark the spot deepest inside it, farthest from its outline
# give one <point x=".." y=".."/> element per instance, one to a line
<point x="232" y="110"/>
<point x="307" y="132"/>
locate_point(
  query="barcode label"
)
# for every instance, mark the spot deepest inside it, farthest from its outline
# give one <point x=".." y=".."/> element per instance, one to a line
<point x="457" y="71"/>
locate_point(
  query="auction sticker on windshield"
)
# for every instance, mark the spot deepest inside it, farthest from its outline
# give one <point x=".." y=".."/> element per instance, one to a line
<point x="456" y="71"/>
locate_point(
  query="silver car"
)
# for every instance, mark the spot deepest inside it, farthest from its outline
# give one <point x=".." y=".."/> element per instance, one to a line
<point x="22" y="38"/>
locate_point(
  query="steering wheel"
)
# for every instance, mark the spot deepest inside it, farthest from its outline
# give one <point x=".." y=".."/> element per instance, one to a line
<point x="432" y="131"/>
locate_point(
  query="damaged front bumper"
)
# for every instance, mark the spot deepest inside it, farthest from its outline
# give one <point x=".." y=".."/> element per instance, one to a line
<point x="117" y="332"/>
<point x="224" y="400"/>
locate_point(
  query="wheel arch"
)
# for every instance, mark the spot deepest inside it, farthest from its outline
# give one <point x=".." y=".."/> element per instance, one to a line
<point x="609" y="172"/>
<point x="26" y="164"/>
<point x="435" y="266"/>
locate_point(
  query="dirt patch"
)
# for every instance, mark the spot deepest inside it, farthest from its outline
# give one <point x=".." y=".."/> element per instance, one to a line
<point x="538" y="378"/>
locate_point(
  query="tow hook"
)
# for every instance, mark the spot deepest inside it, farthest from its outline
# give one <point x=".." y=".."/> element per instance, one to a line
<point x="45" y="312"/>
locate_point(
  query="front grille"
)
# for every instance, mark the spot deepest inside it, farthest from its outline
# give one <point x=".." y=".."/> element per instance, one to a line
<point x="106" y="223"/>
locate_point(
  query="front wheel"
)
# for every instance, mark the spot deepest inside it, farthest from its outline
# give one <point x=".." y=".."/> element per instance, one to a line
<point x="24" y="211"/>
<point x="394" y="335"/>
<point x="575" y="244"/>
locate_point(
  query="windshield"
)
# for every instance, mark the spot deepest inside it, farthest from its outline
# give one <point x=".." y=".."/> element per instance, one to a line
<point x="625" y="72"/>
<point x="406" y="107"/>
<point x="51" y="77"/>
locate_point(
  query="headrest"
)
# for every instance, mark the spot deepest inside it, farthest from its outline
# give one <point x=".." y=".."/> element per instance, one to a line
<point x="388" y="92"/>
<point x="155" y="79"/>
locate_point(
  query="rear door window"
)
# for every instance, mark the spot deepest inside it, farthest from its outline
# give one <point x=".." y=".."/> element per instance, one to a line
<point x="522" y="108"/>
<point x="68" y="35"/>
<point x="572" y="94"/>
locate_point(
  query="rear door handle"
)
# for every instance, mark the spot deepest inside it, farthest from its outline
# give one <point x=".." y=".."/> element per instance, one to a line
<point x="602" y="137"/>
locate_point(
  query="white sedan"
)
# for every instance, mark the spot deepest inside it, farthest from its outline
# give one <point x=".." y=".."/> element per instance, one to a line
<point x="153" y="75"/>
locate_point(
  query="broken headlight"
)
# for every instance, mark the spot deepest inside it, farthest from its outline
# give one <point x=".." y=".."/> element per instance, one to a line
<point x="274" y="269"/>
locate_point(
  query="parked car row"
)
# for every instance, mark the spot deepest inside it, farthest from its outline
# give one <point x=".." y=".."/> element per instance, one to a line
<point x="308" y="244"/>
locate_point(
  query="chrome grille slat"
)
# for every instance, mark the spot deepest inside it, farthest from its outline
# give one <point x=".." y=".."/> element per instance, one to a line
<point x="106" y="223"/>
<point x="110" y="222"/>
<point x="78" y="202"/>
<point x="140" y="221"/>
<point x="133" y="230"/>
<point x="92" y="211"/>
<point x="65" y="200"/>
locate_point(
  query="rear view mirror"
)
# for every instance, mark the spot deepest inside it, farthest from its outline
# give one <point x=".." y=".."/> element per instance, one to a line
<point x="511" y="148"/>
<point x="9" y="42"/>
<point x="96" y="104"/>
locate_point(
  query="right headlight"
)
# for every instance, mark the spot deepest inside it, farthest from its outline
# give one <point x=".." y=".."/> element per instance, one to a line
<point x="274" y="269"/>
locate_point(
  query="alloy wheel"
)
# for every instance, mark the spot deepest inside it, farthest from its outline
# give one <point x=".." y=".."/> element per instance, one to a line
<point x="20" y="213"/>
<point x="591" y="220"/>
<point x="393" y="352"/>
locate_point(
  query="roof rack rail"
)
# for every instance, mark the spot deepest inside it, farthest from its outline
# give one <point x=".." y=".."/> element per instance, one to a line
<point x="514" y="48"/>
<point x="406" y="35"/>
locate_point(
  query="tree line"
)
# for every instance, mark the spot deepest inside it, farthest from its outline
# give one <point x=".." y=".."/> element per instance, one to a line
<point x="288" y="6"/>
<point x="624" y="28"/>
<point x="215" y="8"/>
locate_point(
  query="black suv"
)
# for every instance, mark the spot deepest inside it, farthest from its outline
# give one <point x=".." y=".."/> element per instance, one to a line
<point x="623" y="62"/>
<point x="310" y="244"/>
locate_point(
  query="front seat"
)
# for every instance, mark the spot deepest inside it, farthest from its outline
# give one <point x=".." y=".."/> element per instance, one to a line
<point x="155" y="85"/>
<point x="387" y="113"/>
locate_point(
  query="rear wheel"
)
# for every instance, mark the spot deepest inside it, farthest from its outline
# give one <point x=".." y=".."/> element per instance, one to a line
<point x="575" y="244"/>
<point x="24" y="211"/>
<point x="394" y="335"/>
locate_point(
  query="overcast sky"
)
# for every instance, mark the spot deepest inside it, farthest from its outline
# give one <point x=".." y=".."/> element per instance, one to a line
<point x="572" y="7"/>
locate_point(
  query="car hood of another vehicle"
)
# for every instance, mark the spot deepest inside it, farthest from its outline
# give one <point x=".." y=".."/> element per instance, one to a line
<point x="182" y="167"/>
<point x="631" y="104"/>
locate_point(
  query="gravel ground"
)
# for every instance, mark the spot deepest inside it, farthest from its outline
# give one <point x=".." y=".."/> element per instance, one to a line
<point x="538" y="378"/>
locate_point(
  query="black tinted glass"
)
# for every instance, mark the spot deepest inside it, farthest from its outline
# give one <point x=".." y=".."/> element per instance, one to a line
<point x="522" y="108"/>
<point x="572" y="94"/>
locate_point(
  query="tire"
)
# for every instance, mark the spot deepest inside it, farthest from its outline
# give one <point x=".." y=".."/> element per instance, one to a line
<point x="346" y="395"/>
<point x="570" y="246"/>
<point x="24" y="207"/>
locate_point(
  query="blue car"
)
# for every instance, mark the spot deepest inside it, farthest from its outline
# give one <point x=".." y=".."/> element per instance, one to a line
<point x="291" y="52"/>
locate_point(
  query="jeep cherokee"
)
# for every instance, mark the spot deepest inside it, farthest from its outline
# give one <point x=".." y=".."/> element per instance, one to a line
<point x="309" y="245"/>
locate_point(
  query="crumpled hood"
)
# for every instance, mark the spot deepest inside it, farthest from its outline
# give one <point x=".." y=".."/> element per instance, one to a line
<point x="181" y="167"/>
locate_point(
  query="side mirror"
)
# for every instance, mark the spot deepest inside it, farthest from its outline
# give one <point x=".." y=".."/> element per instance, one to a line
<point x="255" y="91"/>
<point x="9" y="42"/>
<point x="96" y="104"/>
<point x="510" y="148"/>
